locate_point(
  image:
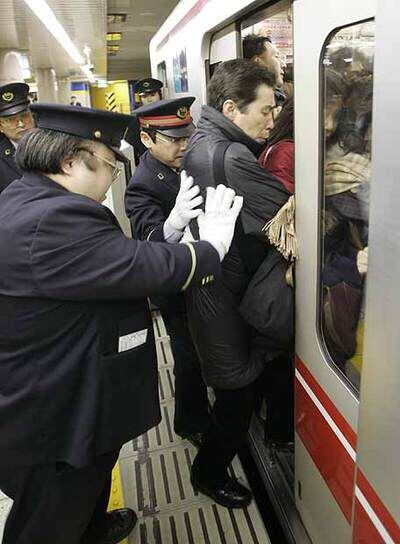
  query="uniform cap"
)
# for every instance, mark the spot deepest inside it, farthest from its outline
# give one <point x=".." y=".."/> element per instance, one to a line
<point x="148" y="85"/>
<point x="13" y="98"/>
<point x="88" y="123"/>
<point x="171" y="116"/>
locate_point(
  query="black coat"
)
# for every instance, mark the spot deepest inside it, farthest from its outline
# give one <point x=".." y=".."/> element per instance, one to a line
<point x="231" y="355"/>
<point x="8" y="169"/>
<point x="72" y="288"/>
<point x="149" y="199"/>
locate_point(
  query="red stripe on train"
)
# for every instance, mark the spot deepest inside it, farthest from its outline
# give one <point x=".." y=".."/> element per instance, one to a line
<point x="364" y="531"/>
<point x="337" y="417"/>
<point x="362" y="520"/>
<point x="329" y="455"/>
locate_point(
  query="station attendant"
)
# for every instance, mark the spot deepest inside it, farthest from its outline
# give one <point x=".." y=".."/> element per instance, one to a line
<point x="165" y="127"/>
<point x="15" y="121"/>
<point x="149" y="90"/>
<point x="78" y="372"/>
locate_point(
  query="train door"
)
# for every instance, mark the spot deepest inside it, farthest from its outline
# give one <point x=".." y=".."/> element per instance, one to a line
<point x="334" y="46"/>
<point x="376" y="517"/>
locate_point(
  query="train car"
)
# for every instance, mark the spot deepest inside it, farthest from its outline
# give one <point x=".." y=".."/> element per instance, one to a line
<point x="344" y="485"/>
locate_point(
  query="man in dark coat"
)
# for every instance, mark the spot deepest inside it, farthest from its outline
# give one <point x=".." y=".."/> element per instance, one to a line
<point x="78" y="371"/>
<point x="15" y="121"/>
<point x="228" y="138"/>
<point x="150" y="205"/>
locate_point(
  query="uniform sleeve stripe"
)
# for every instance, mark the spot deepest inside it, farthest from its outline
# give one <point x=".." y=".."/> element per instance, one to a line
<point x="150" y="233"/>
<point x="194" y="264"/>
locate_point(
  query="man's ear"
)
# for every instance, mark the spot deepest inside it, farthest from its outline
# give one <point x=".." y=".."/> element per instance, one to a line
<point x="146" y="140"/>
<point x="229" y="109"/>
<point x="67" y="165"/>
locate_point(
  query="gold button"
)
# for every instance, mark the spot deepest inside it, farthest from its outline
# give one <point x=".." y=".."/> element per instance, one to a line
<point x="97" y="133"/>
<point x="7" y="152"/>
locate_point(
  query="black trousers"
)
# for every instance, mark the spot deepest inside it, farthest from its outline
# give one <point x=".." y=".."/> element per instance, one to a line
<point x="191" y="402"/>
<point x="231" y="415"/>
<point x="57" y="502"/>
<point x="276" y="385"/>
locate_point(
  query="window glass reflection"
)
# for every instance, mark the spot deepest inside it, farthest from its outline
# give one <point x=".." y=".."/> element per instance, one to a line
<point x="347" y="117"/>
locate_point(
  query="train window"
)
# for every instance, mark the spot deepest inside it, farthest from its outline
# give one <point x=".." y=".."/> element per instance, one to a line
<point x="347" y="90"/>
<point x="223" y="46"/>
<point x="162" y="76"/>
<point x="274" y="23"/>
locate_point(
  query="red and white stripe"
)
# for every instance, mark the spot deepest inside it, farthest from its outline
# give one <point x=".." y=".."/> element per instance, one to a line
<point x="331" y="443"/>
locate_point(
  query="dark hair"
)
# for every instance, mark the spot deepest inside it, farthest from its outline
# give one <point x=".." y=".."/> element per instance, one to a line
<point x="284" y="125"/>
<point x="253" y="45"/>
<point x="44" y="150"/>
<point x="237" y="80"/>
<point x="335" y="84"/>
<point x="151" y="132"/>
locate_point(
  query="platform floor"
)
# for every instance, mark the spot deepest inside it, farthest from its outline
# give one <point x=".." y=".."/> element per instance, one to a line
<point x="153" y="478"/>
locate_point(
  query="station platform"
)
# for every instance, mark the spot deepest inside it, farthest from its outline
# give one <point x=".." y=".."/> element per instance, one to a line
<point x="153" y="477"/>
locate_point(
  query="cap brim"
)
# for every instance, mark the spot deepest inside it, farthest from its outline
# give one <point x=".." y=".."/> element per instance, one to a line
<point x="14" y="110"/>
<point x="179" y="132"/>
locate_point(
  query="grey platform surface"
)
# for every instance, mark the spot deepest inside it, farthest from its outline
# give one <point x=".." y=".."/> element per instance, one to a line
<point x="155" y="470"/>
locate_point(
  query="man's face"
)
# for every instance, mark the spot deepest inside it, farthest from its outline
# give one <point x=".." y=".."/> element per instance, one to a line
<point x="148" y="98"/>
<point x="94" y="170"/>
<point x="258" y="117"/>
<point x="271" y="59"/>
<point x="15" y="126"/>
<point x="166" y="149"/>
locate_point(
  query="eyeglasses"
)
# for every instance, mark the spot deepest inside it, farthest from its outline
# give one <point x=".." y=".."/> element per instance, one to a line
<point x="14" y="120"/>
<point x="116" y="171"/>
<point x="171" y="140"/>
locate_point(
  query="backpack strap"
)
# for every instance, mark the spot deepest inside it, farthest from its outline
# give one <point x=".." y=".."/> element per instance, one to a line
<point x="218" y="162"/>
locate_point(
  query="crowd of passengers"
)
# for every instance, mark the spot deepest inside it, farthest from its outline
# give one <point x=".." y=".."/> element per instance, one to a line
<point x="233" y="327"/>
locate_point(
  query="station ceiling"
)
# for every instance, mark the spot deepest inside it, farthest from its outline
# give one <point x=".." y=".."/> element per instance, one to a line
<point x="143" y="19"/>
<point x="85" y="21"/>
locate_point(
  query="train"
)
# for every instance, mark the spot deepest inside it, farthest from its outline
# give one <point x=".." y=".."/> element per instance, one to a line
<point x="343" y="483"/>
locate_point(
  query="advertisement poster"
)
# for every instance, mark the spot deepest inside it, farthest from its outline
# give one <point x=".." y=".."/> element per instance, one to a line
<point x="180" y="72"/>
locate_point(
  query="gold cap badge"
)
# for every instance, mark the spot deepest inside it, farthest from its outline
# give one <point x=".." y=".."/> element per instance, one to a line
<point x="182" y="112"/>
<point x="7" y="97"/>
<point x="97" y="133"/>
<point x="146" y="84"/>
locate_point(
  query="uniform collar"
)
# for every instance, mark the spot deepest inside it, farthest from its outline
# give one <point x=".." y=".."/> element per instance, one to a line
<point x="161" y="170"/>
<point x="35" y="179"/>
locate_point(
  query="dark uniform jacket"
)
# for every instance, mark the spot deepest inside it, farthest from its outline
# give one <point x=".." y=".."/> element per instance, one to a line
<point x="8" y="169"/>
<point x="231" y="354"/>
<point x="149" y="199"/>
<point x="75" y="381"/>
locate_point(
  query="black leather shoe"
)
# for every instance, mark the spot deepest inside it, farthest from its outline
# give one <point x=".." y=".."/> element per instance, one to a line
<point x="119" y="524"/>
<point x="231" y="494"/>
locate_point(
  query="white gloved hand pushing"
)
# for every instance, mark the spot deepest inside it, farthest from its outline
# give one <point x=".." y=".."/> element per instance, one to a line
<point x="186" y="202"/>
<point x="217" y="224"/>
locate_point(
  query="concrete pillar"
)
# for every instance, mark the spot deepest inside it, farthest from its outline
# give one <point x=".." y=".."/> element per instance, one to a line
<point x="10" y="67"/>
<point x="64" y="91"/>
<point x="47" y="85"/>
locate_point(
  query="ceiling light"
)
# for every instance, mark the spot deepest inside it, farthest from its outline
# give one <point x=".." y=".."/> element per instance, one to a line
<point x="112" y="48"/>
<point x="113" y="36"/>
<point x="42" y="10"/>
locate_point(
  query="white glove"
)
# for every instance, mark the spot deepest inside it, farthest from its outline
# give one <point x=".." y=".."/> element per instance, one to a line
<point x="183" y="211"/>
<point x="362" y="261"/>
<point x="217" y="224"/>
